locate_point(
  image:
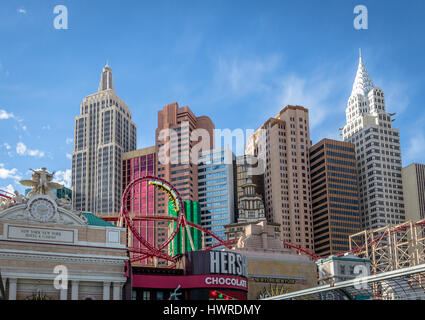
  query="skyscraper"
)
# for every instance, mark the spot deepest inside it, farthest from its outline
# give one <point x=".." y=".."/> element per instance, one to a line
<point x="334" y="195"/>
<point x="251" y="211"/>
<point x="369" y="127"/>
<point x="103" y="131"/>
<point x="177" y="133"/>
<point x="251" y="205"/>
<point x="244" y="166"/>
<point x="283" y="144"/>
<point x="414" y="191"/>
<point x="184" y="239"/>
<point x="216" y="191"/>
<point x="141" y="199"/>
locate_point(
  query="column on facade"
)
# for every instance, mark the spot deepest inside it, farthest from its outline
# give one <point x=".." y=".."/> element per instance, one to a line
<point x="12" y="288"/>
<point x="116" y="291"/>
<point x="74" y="292"/>
<point x="4" y="280"/>
<point x="63" y="294"/>
<point x="106" y="291"/>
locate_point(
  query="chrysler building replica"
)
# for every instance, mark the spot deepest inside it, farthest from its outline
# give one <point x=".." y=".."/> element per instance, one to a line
<point x="103" y="131"/>
<point x="370" y="128"/>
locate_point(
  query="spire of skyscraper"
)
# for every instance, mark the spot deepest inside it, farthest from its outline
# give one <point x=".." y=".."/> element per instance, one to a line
<point x="363" y="83"/>
<point x="367" y="126"/>
<point x="106" y="79"/>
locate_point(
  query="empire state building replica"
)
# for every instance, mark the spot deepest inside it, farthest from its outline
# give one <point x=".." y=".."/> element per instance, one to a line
<point x="370" y="128"/>
<point x="103" y="131"/>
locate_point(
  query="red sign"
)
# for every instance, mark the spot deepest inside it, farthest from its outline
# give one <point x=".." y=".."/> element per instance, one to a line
<point x="189" y="282"/>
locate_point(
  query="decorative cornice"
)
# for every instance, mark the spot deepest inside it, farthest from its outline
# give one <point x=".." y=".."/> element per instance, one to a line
<point x="60" y="256"/>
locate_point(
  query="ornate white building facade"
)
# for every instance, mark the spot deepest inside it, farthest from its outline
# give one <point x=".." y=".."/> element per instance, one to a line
<point x="369" y="127"/>
<point x="103" y="131"/>
<point x="49" y="252"/>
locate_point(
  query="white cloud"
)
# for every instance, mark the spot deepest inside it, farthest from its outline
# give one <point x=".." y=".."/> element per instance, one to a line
<point x="36" y="153"/>
<point x="46" y="127"/>
<point x="7" y="146"/>
<point x="9" y="173"/>
<point x="415" y="147"/>
<point x="19" y="125"/>
<point x="69" y="156"/>
<point x="21" y="11"/>
<point x="396" y="94"/>
<point x="69" y="140"/>
<point x="4" y="115"/>
<point x="9" y="188"/>
<point x="268" y="87"/>
<point x="63" y="177"/>
<point x="22" y="150"/>
<point x="313" y="93"/>
<point x="238" y="77"/>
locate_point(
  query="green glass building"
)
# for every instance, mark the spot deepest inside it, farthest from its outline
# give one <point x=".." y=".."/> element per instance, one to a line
<point x="193" y="214"/>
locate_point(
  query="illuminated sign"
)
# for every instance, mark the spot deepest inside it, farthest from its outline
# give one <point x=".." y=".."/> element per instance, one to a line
<point x="218" y="295"/>
<point x="189" y="282"/>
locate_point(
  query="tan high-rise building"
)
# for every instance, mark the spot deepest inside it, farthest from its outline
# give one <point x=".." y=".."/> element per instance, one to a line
<point x="103" y="131"/>
<point x="282" y="143"/>
<point x="413" y="177"/>
<point x="177" y="127"/>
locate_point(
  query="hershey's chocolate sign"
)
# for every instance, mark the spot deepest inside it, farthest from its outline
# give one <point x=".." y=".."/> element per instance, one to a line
<point x="231" y="263"/>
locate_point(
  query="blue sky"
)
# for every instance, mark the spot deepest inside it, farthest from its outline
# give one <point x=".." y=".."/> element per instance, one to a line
<point x="239" y="62"/>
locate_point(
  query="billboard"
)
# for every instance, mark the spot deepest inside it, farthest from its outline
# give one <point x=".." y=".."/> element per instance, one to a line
<point x="216" y="262"/>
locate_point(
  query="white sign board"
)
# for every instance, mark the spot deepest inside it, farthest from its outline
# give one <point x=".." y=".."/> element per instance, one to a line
<point x="39" y="234"/>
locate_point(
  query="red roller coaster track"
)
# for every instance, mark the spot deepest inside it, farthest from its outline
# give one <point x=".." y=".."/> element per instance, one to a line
<point x="181" y="222"/>
<point x="6" y="195"/>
